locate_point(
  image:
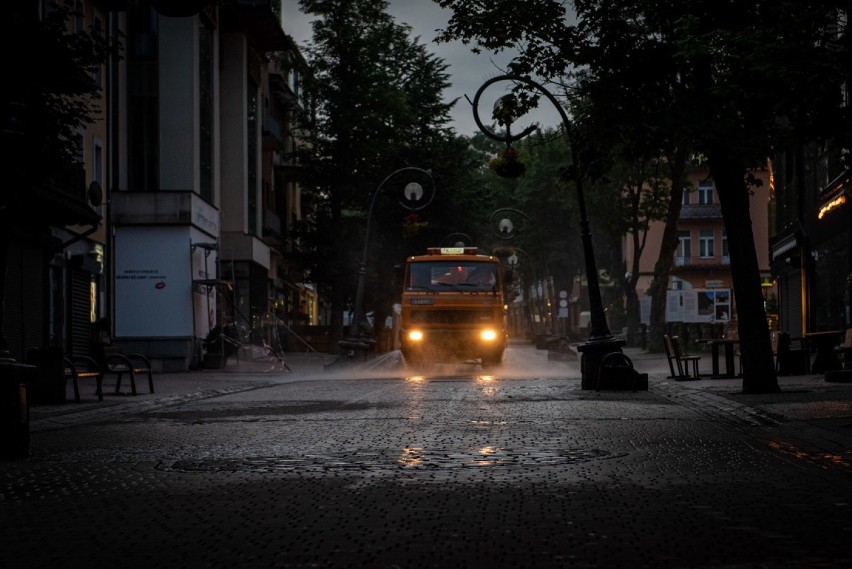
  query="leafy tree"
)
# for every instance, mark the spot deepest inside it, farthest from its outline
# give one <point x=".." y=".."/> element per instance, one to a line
<point x="378" y="108"/>
<point x="49" y="94"/>
<point x="730" y="81"/>
<point x="631" y="195"/>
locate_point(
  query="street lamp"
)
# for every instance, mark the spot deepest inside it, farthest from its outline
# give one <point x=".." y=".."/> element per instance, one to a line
<point x="413" y="194"/>
<point x="529" y="281"/>
<point x="601" y="341"/>
<point x="458" y="240"/>
<point x="504" y="228"/>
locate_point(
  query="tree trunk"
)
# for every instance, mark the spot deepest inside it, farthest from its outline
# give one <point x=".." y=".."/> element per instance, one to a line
<point x="4" y="263"/>
<point x="634" y="339"/>
<point x="632" y="309"/>
<point x="758" y="366"/>
<point x="338" y="287"/>
<point x="663" y="267"/>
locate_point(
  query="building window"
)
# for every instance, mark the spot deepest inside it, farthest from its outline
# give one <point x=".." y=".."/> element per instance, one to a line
<point x="684" y="200"/>
<point x="684" y="246"/>
<point x="705" y="192"/>
<point x="98" y="163"/>
<point x="143" y="148"/>
<point x="78" y="10"/>
<point x="98" y="30"/>
<point x="251" y="157"/>
<point x="79" y="148"/>
<point x="205" y="130"/>
<point x="726" y="256"/>
<point x="705" y="244"/>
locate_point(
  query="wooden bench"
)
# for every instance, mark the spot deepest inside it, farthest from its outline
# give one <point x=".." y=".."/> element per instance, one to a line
<point x="679" y="360"/>
<point x="84" y="367"/>
<point x="118" y="363"/>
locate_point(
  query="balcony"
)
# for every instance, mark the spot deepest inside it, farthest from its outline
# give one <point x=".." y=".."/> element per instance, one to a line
<point x="271" y="127"/>
<point x="260" y="20"/>
<point x="701" y="211"/>
<point x="271" y="228"/>
<point x="702" y="263"/>
<point x="283" y="92"/>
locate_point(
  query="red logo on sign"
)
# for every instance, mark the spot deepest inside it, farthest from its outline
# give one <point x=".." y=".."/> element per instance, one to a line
<point x="160" y="284"/>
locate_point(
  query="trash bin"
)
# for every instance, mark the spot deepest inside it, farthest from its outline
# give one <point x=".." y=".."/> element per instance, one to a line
<point x="14" y="409"/>
<point x="48" y="385"/>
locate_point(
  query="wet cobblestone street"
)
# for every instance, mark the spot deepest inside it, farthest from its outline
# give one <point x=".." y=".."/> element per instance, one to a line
<point x="444" y="470"/>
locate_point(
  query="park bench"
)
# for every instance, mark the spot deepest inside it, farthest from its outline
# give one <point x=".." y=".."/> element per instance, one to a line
<point x="84" y="367"/>
<point x="113" y="362"/>
<point x="117" y="363"/>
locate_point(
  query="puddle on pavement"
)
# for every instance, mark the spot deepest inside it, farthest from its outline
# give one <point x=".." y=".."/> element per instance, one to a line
<point x="409" y="458"/>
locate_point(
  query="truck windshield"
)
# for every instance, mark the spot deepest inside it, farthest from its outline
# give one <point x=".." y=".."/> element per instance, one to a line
<point x="471" y="276"/>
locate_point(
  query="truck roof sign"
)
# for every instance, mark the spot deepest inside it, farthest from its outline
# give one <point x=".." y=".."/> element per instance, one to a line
<point x="452" y="250"/>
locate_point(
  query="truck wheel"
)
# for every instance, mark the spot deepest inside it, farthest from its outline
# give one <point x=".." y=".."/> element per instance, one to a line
<point x="415" y="363"/>
<point x="492" y="361"/>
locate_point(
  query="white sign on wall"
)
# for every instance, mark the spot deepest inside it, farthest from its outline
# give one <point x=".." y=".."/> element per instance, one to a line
<point x="698" y="305"/>
<point x="152" y="282"/>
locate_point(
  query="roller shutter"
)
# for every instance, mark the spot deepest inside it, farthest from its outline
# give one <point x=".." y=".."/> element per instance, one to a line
<point x="80" y="329"/>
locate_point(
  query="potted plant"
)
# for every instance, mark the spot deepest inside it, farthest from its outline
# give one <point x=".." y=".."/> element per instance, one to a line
<point x="507" y="164"/>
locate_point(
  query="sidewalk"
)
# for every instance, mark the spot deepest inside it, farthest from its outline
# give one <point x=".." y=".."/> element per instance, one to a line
<point x="171" y="388"/>
<point x="804" y="398"/>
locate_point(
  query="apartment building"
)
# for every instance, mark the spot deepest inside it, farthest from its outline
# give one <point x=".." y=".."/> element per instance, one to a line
<point x="700" y="285"/>
<point x="178" y="220"/>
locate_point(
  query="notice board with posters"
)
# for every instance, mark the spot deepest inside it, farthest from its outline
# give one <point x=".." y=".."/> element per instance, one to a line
<point x="153" y="282"/>
<point x="698" y="305"/>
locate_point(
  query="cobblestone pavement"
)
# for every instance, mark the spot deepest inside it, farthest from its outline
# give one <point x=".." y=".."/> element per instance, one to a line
<point x="368" y="467"/>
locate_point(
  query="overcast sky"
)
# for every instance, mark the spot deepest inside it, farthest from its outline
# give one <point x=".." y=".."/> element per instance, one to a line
<point x="468" y="71"/>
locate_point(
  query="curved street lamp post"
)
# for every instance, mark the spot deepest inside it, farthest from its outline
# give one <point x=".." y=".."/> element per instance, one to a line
<point x="505" y="229"/>
<point x="459" y="240"/>
<point x="529" y="305"/>
<point x="601" y="342"/>
<point x="413" y="195"/>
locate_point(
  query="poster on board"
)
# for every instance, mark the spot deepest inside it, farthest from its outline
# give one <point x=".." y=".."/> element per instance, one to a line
<point x="152" y="282"/>
<point x="698" y="305"/>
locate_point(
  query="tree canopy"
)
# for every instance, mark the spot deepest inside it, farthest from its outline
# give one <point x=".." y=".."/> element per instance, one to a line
<point x="379" y="107"/>
<point x="52" y="92"/>
<point x="732" y="81"/>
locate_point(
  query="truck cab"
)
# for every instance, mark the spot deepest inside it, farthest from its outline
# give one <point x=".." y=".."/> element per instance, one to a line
<point x="453" y="308"/>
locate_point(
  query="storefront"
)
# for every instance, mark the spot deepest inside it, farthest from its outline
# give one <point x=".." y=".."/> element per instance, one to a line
<point x="829" y="265"/>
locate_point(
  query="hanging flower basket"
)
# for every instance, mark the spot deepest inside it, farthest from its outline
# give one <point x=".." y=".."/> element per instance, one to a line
<point x="507" y="164"/>
<point x="412" y="225"/>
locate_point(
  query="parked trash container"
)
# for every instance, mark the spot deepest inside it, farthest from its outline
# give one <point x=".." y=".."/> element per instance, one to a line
<point x="14" y="410"/>
<point x="48" y="386"/>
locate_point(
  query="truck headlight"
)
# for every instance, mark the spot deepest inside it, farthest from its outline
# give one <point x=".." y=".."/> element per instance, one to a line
<point x="415" y="335"/>
<point x="488" y="335"/>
